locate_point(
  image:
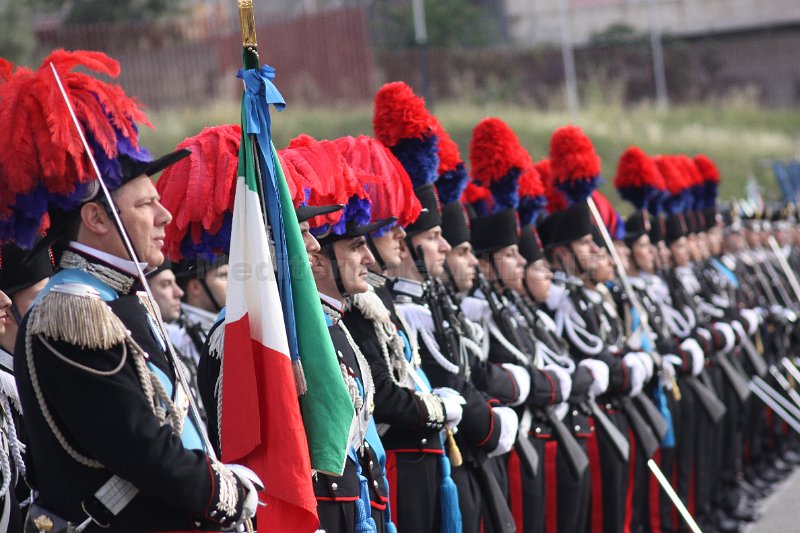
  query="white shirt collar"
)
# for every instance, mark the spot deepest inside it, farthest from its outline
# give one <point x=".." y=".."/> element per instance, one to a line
<point x="333" y="302"/>
<point x="126" y="266"/>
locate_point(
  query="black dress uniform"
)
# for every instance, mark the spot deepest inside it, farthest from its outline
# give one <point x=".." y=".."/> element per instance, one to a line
<point x="96" y="391"/>
<point x="409" y="421"/>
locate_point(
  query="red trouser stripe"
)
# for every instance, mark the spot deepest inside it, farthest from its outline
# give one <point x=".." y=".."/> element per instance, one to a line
<point x="391" y="479"/>
<point x="631" y="483"/>
<point x="693" y="491"/>
<point x="550" y="486"/>
<point x="675" y="517"/>
<point x="655" y="500"/>
<point x="597" y="481"/>
<point x="515" y="488"/>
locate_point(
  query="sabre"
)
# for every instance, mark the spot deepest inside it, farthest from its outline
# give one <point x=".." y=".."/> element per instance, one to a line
<point x="785" y="266"/>
<point x="673" y="496"/>
<point x="193" y="411"/>
<point x="633" y="297"/>
<point x="786" y="404"/>
<point x="780" y="411"/>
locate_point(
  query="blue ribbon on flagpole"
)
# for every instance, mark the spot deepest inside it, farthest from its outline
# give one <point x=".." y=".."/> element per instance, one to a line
<point x="259" y="94"/>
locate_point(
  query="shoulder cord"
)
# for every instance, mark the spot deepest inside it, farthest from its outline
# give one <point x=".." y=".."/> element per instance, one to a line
<point x="151" y="386"/>
<point x="498" y="335"/>
<point x="574" y="326"/>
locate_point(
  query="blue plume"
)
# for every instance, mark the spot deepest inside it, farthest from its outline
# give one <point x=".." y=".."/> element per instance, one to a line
<point x="357" y="211"/>
<point x="530" y="209"/>
<point x="452" y="183"/>
<point x="505" y="191"/>
<point x="210" y="245"/>
<point x="420" y="158"/>
<point x="578" y="190"/>
<point x="22" y="226"/>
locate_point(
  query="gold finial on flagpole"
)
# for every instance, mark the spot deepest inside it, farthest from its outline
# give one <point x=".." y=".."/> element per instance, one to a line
<point x="247" y="22"/>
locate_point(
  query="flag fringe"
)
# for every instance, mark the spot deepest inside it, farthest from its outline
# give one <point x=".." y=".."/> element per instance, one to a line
<point x="299" y="377"/>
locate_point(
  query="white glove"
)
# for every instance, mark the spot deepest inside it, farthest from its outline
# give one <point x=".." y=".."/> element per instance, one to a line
<point x="692" y="347"/>
<point x="452" y="402"/>
<point x="638" y="372"/>
<point x="753" y="319"/>
<point x="509" y="427"/>
<point x="563" y="377"/>
<point x="523" y="379"/>
<point x="252" y="484"/>
<point x="476" y="309"/>
<point x="561" y="410"/>
<point x="647" y="361"/>
<point x="727" y="331"/>
<point x="600" y="372"/>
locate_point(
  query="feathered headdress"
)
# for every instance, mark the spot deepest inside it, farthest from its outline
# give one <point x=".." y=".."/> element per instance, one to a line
<point x="403" y="124"/>
<point x="532" y="199"/>
<point x="42" y="159"/>
<point x="639" y="181"/>
<point x="453" y="176"/>
<point x="611" y="218"/>
<point x="327" y="179"/>
<point x="199" y="191"/>
<point x="497" y="160"/>
<point x="384" y="179"/>
<point x="554" y="199"/>
<point x="478" y="198"/>
<point x="694" y="180"/>
<point x="677" y="183"/>
<point x="707" y="168"/>
<point x="575" y="165"/>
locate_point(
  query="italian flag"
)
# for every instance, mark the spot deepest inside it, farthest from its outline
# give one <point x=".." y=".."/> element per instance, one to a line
<point x="261" y="425"/>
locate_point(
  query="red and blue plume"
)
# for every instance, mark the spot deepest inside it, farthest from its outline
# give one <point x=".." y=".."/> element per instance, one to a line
<point x="555" y="199"/>
<point x="453" y="176"/>
<point x="708" y="169"/>
<point x="199" y="191"/>
<point x="610" y="217"/>
<point x="383" y="177"/>
<point x="677" y="184"/>
<point x="575" y="164"/>
<point x="497" y="160"/>
<point x="403" y="124"/>
<point x="478" y="198"/>
<point x="639" y="181"/>
<point x="42" y="158"/>
<point x="532" y="199"/>
<point x="694" y="179"/>
<point x="326" y="179"/>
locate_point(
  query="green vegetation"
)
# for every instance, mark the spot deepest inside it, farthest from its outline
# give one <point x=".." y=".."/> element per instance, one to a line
<point x="737" y="134"/>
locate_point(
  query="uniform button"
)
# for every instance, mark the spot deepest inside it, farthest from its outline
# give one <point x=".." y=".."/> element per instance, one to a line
<point x="538" y="430"/>
<point x="371" y="463"/>
<point x="366" y="444"/>
<point x="575" y="412"/>
<point x="577" y="428"/>
<point x="608" y="406"/>
<point x="334" y="486"/>
<point x="424" y="442"/>
<point x="375" y="484"/>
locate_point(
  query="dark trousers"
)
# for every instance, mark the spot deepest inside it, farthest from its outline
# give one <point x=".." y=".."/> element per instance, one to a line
<point x="414" y="480"/>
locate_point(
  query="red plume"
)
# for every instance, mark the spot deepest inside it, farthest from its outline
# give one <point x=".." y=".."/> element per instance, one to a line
<point x="6" y="68"/>
<point x="198" y="190"/>
<point x="686" y="164"/>
<point x="399" y="114"/>
<point x="530" y="182"/>
<point x="637" y="170"/>
<point x="573" y="158"/>
<point x="386" y="181"/>
<point x="293" y="180"/>
<point x="707" y="167"/>
<point x="449" y="155"/>
<point x="556" y="201"/>
<point x="675" y="180"/>
<point x="39" y="142"/>
<point x="494" y="151"/>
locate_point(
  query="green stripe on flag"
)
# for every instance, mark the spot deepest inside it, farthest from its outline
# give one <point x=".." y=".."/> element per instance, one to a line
<point x="326" y="406"/>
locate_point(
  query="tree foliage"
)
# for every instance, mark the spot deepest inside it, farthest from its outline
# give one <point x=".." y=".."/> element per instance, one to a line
<point x="76" y="12"/>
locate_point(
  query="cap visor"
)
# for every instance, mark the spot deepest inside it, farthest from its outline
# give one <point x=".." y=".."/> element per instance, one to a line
<point x="306" y="212"/>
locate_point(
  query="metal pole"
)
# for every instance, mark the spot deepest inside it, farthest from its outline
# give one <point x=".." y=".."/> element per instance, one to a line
<point x="659" y="72"/>
<point x="568" y="55"/>
<point x="421" y="38"/>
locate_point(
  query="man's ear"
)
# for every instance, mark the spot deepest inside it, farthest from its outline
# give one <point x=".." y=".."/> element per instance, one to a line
<point x="94" y="219"/>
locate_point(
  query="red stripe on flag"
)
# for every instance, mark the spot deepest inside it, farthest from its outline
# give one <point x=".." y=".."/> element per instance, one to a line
<point x="280" y="456"/>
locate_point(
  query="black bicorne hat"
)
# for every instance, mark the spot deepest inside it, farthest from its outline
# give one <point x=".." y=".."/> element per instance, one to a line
<point x="638" y="224"/>
<point x="529" y="246"/>
<point x="494" y="232"/>
<point x="710" y="217"/>
<point x="564" y="227"/>
<point x="19" y="269"/>
<point x="306" y="212"/>
<point x="675" y="227"/>
<point x="199" y="267"/>
<point x="656" y="229"/>
<point x="455" y="224"/>
<point x="431" y="215"/>
<point x="353" y="229"/>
